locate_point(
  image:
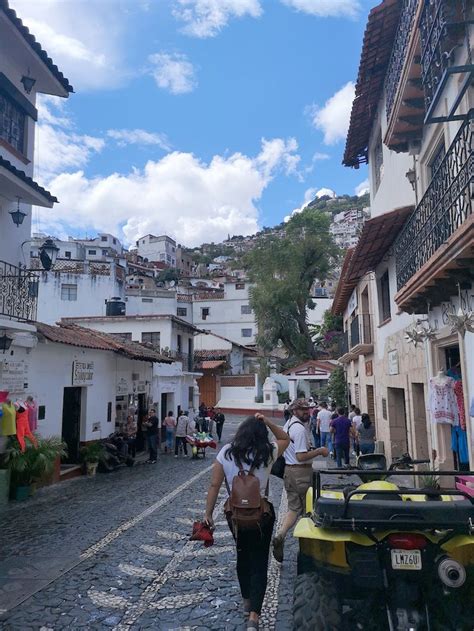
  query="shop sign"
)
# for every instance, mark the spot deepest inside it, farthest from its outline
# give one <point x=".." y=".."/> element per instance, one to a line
<point x="122" y="387"/>
<point x="393" y="367"/>
<point x="82" y="373"/>
<point x="369" y="368"/>
<point x="352" y="305"/>
<point x="14" y="376"/>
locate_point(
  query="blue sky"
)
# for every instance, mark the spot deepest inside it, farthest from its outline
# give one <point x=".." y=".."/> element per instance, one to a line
<point x="194" y="117"/>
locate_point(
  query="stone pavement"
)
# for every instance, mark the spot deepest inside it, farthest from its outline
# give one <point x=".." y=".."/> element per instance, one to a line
<point x="113" y="552"/>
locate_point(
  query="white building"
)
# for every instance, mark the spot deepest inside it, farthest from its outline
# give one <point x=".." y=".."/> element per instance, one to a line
<point x="103" y="247"/>
<point x="174" y="386"/>
<point x="162" y="249"/>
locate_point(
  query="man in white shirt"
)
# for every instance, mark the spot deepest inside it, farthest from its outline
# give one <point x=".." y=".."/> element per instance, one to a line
<point x="324" y="422"/>
<point x="298" y="470"/>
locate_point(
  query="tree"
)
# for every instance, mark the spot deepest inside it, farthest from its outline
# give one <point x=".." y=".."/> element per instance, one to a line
<point x="168" y="275"/>
<point x="326" y="335"/>
<point x="283" y="270"/>
<point x="337" y="387"/>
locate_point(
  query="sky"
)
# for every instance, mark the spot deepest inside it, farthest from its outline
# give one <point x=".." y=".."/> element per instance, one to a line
<point x="194" y="118"/>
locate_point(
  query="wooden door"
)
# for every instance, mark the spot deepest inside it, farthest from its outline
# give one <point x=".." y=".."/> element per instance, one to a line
<point x="208" y="390"/>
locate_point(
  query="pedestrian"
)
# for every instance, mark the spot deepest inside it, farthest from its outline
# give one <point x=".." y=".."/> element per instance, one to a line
<point x="342" y="430"/>
<point x="356" y="422"/>
<point x="151" y="427"/>
<point x="182" y="428"/>
<point x="352" y="411"/>
<point x="286" y="410"/>
<point x="250" y="450"/>
<point x="131" y="435"/>
<point x="314" y="427"/>
<point x="298" y="470"/>
<point x="191" y="422"/>
<point x="324" y="425"/>
<point x="219" y="420"/>
<point x="366" y="434"/>
<point x="170" y="425"/>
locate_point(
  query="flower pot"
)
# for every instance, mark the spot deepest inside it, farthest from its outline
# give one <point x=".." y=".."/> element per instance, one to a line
<point x="22" y="493"/>
<point x="91" y="468"/>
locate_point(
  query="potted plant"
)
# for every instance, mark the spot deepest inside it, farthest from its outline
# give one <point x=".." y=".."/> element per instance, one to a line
<point x="32" y="465"/>
<point x="91" y="454"/>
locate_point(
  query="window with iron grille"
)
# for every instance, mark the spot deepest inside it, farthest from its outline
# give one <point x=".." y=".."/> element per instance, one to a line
<point x="384" y="297"/>
<point x="182" y="311"/>
<point x="205" y="312"/>
<point x="68" y="292"/>
<point x="437" y="158"/>
<point x="93" y="252"/>
<point x="12" y="124"/>
<point x="152" y="337"/>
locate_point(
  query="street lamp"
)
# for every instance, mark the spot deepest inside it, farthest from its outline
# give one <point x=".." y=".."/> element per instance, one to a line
<point x="48" y="254"/>
<point x="17" y="215"/>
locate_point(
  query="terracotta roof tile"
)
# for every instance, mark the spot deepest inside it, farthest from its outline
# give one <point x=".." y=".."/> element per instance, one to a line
<point x="215" y="354"/>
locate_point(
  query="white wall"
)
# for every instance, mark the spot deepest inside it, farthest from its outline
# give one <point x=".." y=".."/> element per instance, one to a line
<point x="165" y="304"/>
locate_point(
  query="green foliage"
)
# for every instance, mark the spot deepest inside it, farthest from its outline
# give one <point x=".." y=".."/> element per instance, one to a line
<point x="93" y="452"/>
<point x="283" y="271"/>
<point x="326" y="335"/>
<point x="340" y="204"/>
<point x="337" y="387"/>
<point x="35" y="462"/>
<point x="168" y="275"/>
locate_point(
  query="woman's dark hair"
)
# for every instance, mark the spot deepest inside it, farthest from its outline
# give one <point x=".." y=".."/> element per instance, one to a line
<point x="251" y="445"/>
<point x="366" y="420"/>
<point x="357" y="411"/>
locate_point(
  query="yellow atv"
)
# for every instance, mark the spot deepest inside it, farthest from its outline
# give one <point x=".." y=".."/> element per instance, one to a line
<point x="380" y="555"/>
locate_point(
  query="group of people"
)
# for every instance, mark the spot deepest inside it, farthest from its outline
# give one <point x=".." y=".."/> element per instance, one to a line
<point x="253" y="451"/>
<point x="208" y="418"/>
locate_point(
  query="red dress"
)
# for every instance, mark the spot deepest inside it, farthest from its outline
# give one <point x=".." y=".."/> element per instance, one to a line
<point x="459" y="394"/>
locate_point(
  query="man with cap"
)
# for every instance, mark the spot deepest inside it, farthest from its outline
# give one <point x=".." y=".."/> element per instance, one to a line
<point x="298" y="470"/>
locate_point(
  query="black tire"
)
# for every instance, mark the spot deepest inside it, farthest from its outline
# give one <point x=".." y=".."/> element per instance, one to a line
<point x="454" y="612"/>
<point x="316" y="605"/>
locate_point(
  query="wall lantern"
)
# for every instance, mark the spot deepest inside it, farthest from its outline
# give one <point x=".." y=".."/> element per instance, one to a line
<point x="48" y="254"/>
<point x="28" y="82"/>
<point x="411" y="177"/>
<point x="17" y="215"/>
<point x="5" y="342"/>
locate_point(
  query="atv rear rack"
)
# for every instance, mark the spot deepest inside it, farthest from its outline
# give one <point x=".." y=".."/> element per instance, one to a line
<point x="385" y="508"/>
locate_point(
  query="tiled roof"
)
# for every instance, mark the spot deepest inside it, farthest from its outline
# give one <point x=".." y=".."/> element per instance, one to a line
<point x="25" y="178"/>
<point x="36" y="46"/>
<point x="211" y="365"/>
<point x="75" y="335"/>
<point x="216" y="354"/>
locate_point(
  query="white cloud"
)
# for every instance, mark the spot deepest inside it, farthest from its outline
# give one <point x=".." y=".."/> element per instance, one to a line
<point x="206" y="18"/>
<point x="362" y="189"/>
<point x="179" y="194"/>
<point x="326" y="192"/>
<point x="333" y="118"/>
<point x="309" y="195"/>
<point x="173" y="72"/>
<point x="126" y="137"/>
<point x="85" y="39"/>
<point x="320" y="156"/>
<point x="326" y="8"/>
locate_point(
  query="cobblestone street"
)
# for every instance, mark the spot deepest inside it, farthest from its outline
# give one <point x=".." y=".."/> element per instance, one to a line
<point x="114" y="552"/>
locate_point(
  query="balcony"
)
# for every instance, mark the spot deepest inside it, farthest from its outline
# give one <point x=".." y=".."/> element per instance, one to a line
<point x="361" y="342"/>
<point x="18" y="293"/>
<point x="443" y="26"/>
<point x="433" y="251"/>
<point x="345" y="356"/>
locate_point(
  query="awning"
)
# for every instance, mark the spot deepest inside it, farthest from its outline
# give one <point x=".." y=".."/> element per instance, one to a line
<point x="15" y="183"/>
<point x="211" y="365"/>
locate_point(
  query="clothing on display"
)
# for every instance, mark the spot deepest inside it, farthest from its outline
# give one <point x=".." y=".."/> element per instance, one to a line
<point x="8" y="421"/>
<point x="459" y="394"/>
<point x="459" y="444"/>
<point x="443" y="402"/>
<point x="32" y="413"/>
<point x="23" y="426"/>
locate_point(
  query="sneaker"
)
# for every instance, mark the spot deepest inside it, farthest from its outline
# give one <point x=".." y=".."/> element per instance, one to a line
<point x="278" y="543"/>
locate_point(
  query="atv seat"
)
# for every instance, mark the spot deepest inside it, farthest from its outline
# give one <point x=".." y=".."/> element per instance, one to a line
<point x="382" y="512"/>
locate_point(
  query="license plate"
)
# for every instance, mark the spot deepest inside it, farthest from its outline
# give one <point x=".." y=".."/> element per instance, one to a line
<point x="406" y="559"/>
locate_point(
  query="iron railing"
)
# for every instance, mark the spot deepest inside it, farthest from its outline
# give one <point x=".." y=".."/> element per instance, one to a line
<point x="343" y="344"/>
<point x="442" y="24"/>
<point x="446" y="205"/>
<point x="18" y="293"/>
<point x="399" y="52"/>
<point x="361" y="330"/>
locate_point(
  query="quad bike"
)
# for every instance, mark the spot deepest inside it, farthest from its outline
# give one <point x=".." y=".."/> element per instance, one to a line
<point x="379" y="555"/>
<point x="115" y="453"/>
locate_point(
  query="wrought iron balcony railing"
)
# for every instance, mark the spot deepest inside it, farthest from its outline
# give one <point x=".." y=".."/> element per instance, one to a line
<point x="343" y="344"/>
<point x="18" y="293"/>
<point x="443" y="24"/>
<point x="446" y="205"/>
<point x="399" y="52"/>
<point x="361" y="330"/>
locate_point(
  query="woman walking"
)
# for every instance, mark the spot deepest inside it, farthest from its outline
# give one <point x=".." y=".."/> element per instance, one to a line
<point x="251" y="450"/>
<point x="170" y="424"/>
<point x="366" y="435"/>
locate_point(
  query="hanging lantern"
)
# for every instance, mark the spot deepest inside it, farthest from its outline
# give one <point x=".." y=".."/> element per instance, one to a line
<point x="17" y="215"/>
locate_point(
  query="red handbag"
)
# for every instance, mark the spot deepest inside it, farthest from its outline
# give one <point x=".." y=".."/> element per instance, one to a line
<point x="202" y="532"/>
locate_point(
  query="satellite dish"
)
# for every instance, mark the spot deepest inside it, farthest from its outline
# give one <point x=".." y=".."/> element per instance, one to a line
<point x="172" y="283"/>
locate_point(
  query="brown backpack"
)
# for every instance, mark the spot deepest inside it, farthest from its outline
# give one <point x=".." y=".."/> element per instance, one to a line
<point x="245" y="508"/>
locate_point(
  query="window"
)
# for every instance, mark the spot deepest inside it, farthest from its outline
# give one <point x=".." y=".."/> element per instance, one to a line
<point x="173" y="249"/>
<point x="104" y="252"/>
<point x="245" y="309"/>
<point x="240" y="285"/>
<point x="41" y="412"/>
<point x="384" y="297"/>
<point x="437" y="159"/>
<point x="205" y="312"/>
<point x="152" y="338"/>
<point x="103" y="238"/>
<point x="182" y="311"/>
<point x="109" y="412"/>
<point x="67" y="255"/>
<point x="114" y="241"/>
<point x="68" y="292"/>
<point x="147" y="299"/>
<point x="246" y="332"/>
<point x="180" y="343"/>
<point x="378" y="161"/>
<point x="12" y="124"/>
<point x="92" y="252"/>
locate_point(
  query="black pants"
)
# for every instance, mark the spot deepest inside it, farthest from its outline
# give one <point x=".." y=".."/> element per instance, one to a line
<point x="182" y="440"/>
<point x="132" y="447"/>
<point x="252" y="562"/>
<point x="219" y="427"/>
